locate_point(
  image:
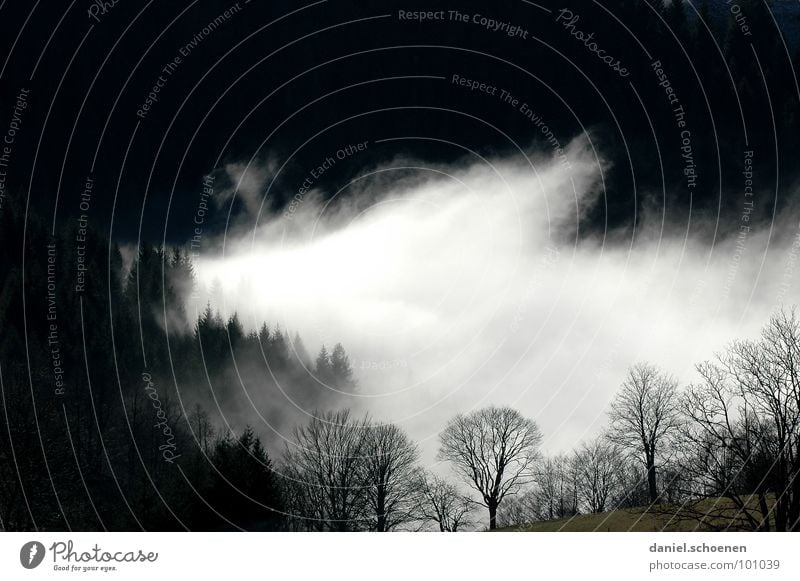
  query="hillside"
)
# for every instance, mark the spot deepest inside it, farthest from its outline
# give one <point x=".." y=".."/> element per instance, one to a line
<point x="659" y="518"/>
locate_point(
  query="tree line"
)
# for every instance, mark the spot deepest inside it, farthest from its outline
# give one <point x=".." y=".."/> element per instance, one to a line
<point x="84" y="449"/>
<point x="721" y="452"/>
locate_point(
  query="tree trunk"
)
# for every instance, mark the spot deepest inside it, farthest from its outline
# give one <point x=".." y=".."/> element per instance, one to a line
<point x="651" y="480"/>
<point x="781" y="508"/>
<point x="381" y="512"/>
<point x="781" y="513"/>
<point x="762" y="505"/>
<point x="794" y="505"/>
<point x="492" y="515"/>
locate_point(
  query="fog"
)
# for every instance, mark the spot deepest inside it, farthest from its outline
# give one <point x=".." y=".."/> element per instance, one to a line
<point x="467" y="285"/>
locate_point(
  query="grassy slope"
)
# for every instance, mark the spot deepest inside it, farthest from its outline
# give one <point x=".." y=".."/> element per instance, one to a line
<point x="639" y="519"/>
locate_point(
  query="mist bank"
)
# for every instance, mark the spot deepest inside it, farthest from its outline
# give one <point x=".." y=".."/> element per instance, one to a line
<point x="471" y="284"/>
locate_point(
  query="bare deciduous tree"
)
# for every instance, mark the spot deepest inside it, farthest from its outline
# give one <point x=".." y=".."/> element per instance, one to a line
<point x="324" y="471"/>
<point x="599" y="469"/>
<point x="494" y="450"/>
<point x="556" y="491"/>
<point x="745" y="430"/>
<point x="633" y="485"/>
<point x="442" y="503"/>
<point x="553" y="495"/>
<point x="644" y="415"/>
<point x="391" y="478"/>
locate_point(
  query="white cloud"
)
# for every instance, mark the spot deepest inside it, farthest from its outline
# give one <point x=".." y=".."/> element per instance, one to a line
<point x="454" y="290"/>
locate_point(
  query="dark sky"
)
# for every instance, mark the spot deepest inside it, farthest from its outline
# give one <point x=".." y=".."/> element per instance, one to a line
<point x="288" y="84"/>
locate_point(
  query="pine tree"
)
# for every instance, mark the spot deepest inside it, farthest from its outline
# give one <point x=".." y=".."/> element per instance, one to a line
<point x="341" y="369"/>
<point x="322" y="367"/>
<point x="235" y="332"/>
<point x="299" y="353"/>
<point x="278" y="354"/>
